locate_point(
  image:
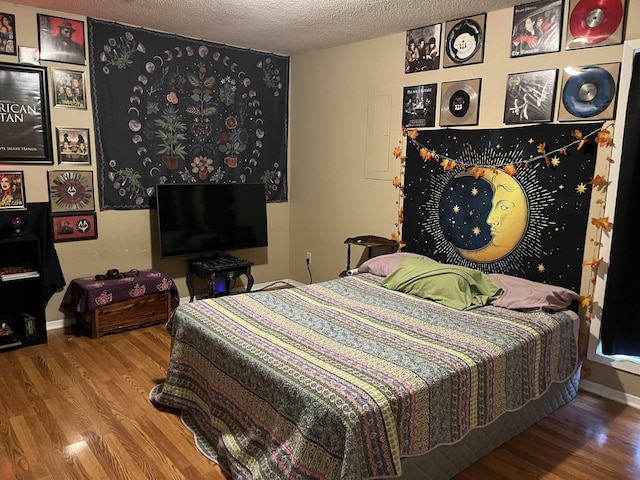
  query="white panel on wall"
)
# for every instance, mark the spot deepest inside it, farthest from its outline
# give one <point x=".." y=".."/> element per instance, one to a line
<point x="378" y="153"/>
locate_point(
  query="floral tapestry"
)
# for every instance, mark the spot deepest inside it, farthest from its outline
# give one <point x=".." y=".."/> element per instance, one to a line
<point x="170" y="109"/>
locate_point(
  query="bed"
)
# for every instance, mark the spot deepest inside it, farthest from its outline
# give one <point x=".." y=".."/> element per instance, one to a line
<point x="360" y="378"/>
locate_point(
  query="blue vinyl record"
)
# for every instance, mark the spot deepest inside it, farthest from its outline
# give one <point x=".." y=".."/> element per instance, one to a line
<point x="588" y="92"/>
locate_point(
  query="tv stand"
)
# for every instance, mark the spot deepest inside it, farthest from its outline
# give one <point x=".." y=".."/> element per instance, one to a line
<point x="219" y="269"/>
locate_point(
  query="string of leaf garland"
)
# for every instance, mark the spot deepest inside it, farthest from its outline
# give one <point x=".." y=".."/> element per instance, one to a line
<point x="602" y="136"/>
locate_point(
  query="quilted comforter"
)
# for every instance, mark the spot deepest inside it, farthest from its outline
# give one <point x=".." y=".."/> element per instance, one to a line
<point x="340" y="379"/>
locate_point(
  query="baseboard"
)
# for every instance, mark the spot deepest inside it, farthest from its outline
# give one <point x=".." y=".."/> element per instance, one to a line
<point x="610" y="393"/>
<point x="67" y="322"/>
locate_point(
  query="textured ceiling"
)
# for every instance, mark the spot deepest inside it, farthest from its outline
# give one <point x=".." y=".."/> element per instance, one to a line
<point x="285" y="27"/>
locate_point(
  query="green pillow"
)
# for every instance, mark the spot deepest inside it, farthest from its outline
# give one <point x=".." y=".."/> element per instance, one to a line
<point x="457" y="287"/>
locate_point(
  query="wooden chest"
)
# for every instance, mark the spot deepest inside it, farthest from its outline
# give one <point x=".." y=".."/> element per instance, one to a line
<point x="127" y="314"/>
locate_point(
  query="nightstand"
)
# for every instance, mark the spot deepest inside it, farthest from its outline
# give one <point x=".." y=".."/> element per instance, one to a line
<point x="370" y="242"/>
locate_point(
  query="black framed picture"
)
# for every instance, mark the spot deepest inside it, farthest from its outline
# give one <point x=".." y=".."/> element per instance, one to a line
<point x="67" y="228"/>
<point x="73" y="146"/>
<point x="12" y="196"/>
<point x="419" y="106"/>
<point x="423" y="49"/>
<point x="537" y="28"/>
<point x="530" y="96"/>
<point x="61" y="39"/>
<point x="71" y="191"/>
<point x="25" y="132"/>
<point x="7" y="34"/>
<point x="69" y="88"/>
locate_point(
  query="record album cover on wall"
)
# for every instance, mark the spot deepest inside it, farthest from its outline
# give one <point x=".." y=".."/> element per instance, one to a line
<point x="69" y="88"/>
<point x="61" y="39"/>
<point x="73" y="146"/>
<point x="423" y="49"/>
<point x="419" y="106"/>
<point x="537" y="28"/>
<point x="66" y="228"/>
<point x="7" y="34"/>
<point x="530" y="96"/>
<point x="12" y="196"/>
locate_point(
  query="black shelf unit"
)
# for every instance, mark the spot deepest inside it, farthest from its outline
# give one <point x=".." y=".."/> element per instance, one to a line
<point x="23" y="297"/>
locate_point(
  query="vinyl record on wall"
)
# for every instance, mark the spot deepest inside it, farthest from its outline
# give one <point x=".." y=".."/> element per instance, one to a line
<point x="589" y="92"/>
<point x="460" y="103"/>
<point x="594" y="23"/>
<point x="464" y="41"/>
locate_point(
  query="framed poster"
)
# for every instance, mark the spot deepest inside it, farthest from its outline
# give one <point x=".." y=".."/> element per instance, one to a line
<point x="537" y="28"/>
<point x="423" y="49"/>
<point x="419" y="106"/>
<point x="530" y="96"/>
<point x="7" y="34"/>
<point x="61" y="39"/>
<point x="73" y="146"/>
<point x="12" y="195"/>
<point x="66" y="228"/>
<point x="25" y="132"/>
<point x="71" y="191"/>
<point x="68" y="88"/>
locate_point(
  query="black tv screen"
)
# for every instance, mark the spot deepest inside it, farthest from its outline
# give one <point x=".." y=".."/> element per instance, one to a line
<point x="210" y="218"/>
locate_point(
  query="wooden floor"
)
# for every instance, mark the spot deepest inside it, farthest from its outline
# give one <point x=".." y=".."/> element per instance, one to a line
<point x="78" y="408"/>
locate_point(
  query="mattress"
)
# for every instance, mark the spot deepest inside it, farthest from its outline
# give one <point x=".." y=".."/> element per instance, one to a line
<point x="346" y="379"/>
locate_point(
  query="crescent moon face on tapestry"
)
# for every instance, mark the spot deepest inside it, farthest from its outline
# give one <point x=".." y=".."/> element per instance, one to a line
<point x="135" y="110"/>
<point x="169" y="55"/>
<point x="203" y="51"/>
<point x="485" y="218"/>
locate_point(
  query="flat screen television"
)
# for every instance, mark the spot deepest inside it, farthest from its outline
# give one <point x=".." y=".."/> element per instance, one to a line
<point x="210" y="218"/>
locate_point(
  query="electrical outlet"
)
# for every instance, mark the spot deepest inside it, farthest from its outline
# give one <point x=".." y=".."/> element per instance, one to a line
<point x="308" y="257"/>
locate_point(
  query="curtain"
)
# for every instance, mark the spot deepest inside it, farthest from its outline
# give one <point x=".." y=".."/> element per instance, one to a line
<point x="620" y="325"/>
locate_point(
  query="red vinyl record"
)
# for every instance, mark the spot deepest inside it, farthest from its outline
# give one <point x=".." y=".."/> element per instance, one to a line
<point x="593" y="21"/>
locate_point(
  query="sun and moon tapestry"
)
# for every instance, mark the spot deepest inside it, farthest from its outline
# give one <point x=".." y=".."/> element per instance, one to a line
<point x="170" y="109"/>
<point x="513" y="200"/>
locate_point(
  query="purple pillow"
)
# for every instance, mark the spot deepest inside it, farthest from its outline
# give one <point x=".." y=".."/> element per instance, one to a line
<point x="383" y="265"/>
<point x="520" y="294"/>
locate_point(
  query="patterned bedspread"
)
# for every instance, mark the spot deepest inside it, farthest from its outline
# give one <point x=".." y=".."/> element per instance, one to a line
<point x="340" y="379"/>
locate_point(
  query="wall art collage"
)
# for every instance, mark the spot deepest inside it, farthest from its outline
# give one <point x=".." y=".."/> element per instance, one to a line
<point x="28" y="132"/>
<point x="587" y="92"/>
